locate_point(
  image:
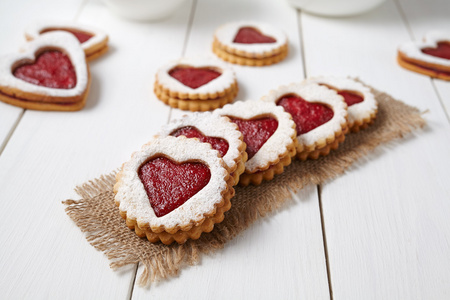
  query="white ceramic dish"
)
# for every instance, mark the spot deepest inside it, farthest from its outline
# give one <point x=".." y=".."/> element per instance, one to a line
<point x="336" y="8"/>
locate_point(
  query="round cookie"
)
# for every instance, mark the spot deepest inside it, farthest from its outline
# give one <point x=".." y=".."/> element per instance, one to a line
<point x="196" y="84"/>
<point x="250" y="43"/>
<point x="173" y="189"/>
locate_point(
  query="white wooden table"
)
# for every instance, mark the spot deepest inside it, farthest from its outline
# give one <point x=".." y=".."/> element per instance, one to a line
<point x="381" y="231"/>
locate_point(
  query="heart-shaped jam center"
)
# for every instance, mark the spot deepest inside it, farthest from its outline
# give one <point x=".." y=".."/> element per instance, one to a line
<point x="218" y="144"/>
<point x="51" y="69"/>
<point x="306" y="115"/>
<point x="80" y="35"/>
<point x="442" y="50"/>
<point x="170" y="184"/>
<point x="256" y="132"/>
<point x="194" y="77"/>
<point x="351" y="97"/>
<point x="250" y="35"/>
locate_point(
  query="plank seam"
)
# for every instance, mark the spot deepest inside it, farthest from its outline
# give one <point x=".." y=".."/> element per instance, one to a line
<point x="300" y="32"/>
<point x="133" y="282"/>
<point x="11" y="131"/>
<point x="319" y="187"/>
<point x="436" y="90"/>
<point x="80" y="9"/>
<point x="404" y="18"/>
<point x="186" y="40"/>
<point x="324" y="236"/>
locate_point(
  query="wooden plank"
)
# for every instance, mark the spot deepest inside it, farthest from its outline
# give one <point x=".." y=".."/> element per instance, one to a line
<point x="282" y="256"/>
<point x="47" y="256"/>
<point x="386" y="220"/>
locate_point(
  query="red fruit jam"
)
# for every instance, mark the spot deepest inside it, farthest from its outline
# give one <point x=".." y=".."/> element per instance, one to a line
<point x="351" y="97"/>
<point x="169" y="184"/>
<point x="306" y="115"/>
<point x="442" y="50"/>
<point x="80" y="35"/>
<point x="51" y="69"/>
<point x="256" y="132"/>
<point x="194" y="77"/>
<point x="249" y="35"/>
<point x="218" y="144"/>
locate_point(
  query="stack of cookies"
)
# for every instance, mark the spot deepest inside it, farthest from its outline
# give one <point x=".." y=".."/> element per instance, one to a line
<point x="180" y="184"/>
<point x="250" y="43"/>
<point x="50" y="72"/>
<point x="196" y="84"/>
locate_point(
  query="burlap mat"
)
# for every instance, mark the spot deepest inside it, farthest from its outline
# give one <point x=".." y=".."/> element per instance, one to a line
<point x="99" y="218"/>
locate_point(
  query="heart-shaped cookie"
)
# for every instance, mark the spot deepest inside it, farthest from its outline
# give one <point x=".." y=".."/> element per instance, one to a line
<point x="270" y="136"/>
<point x="361" y="103"/>
<point x="93" y="41"/>
<point x="173" y="189"/>
<point x="196" y="84"/>
<point x="320" y="115"/>
<point x="430" y="57"/>
<point x="49" y="74"/>
<point x="216" y="130"/>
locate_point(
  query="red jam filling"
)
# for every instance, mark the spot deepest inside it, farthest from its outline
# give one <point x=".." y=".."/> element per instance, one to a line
<point x="256" y="132"/>
<point x="80" y="35"/>
<point x="169" y="184"/>
<point x="249" y="35"/>
<point x="51" y="69"/>
<point x="442" y="50"/>
<point x="351" y="97"/>
<point x="194" y="77"/>
<point x="306" y="115"/>
<point x="218" y="144"/>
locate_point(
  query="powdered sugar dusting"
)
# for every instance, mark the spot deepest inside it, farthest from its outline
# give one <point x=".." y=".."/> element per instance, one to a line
<point x="318" y="94"/>
<point x="225" y="35"/>
<point x="60" y="40"/>
<point x="221" y="83"/>
<point x="358" y="111"/>
<point x="277" y="144"/>
<point x="133" y="198"/>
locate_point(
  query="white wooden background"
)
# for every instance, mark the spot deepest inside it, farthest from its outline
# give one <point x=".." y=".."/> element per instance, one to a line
<point x="381" y="231"/>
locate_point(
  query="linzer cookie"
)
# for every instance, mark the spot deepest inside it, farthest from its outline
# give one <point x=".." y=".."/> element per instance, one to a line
<point x="269" y="133"/>
<point x="362" y="106"/>
<point x="93" y="41"/>
<point x="320" y="115"/>
<point x="49" y="74"/>
<point x="250" y="43"/>
<point x="430" y="57"/>
<point x="220" y="132"/>
<point x="196" y="84"/>
<point x="173" y="189"/>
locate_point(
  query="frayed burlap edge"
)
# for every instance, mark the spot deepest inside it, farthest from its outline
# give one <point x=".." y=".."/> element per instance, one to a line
<point x="97" y="216"/>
